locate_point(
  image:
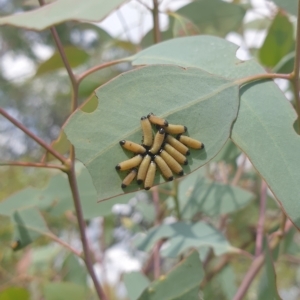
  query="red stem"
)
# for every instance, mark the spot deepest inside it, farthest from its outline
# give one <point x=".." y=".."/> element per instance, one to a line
<point x="261" y="220"/>
<point x="32" y="135"/>
<point x="30" y="164"/>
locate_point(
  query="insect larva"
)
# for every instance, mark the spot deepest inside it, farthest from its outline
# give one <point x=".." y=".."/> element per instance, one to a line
<point x="130" y="163"/>
<point x="143" y="169"/>
<point x="128" y="179"/>
<point x="150" y="176"/>
<point x="158" y="140"/>
<point x="147" y="132"/>
<point x="171" y="162"/>
<point x="131" y="146"/>
<point x="166" y="171"/>
<point x="192" y="143"/>
<point x="15" y="244"/>
<point x="177" y="145"/>
<point x="176" y="154"/>
<point x="175" y="129"/>
<point x="156" y="120"/>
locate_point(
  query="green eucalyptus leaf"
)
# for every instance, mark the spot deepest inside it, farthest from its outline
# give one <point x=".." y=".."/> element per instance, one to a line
<point x="64" y="290"/>
<point x="206" y="104"/>
<point x="136" y="283"/>
<point x="75" y="56"/>
<point x="278" y="42"/>
<point x="214" y="16"/>
<point x="267" y="289"/>
<point x="56" y="198"/>
<point x="61" y="11"/>
<point x="28" y="226"/>
<point x="183" y="236"/>
<point x="181" y="283"/>
<point x="25" y="199"/>
<point x="14" y="293"/>
<point x="227" y="278"/>
<point x="74" y="271"/>
<point x="198" y="194"/>
<point x="183" y="26"/>
<point x="265" y="118"/>
<point x="289" y="5"/>
<point x="229" y="153"/>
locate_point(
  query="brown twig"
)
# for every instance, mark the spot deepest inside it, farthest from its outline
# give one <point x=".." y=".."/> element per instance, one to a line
<point x="81" y="225"/>
<point x="258" y="263"/>
<point x="295" y="73"/>
<point x="156" y="255"/>
<point x="32" y="135"/>
<point x="62" y="243"/>
<point x="261" y="220"/>
<point x="70" y="168"/>
<point x="99" y="67"/>
<point x="239" y="172"/>
<point x="35" y="165"/>
<point x="155" y="16"/>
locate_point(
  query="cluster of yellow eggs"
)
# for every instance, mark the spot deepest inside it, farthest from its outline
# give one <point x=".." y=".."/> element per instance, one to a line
<point x="161" y="150"/>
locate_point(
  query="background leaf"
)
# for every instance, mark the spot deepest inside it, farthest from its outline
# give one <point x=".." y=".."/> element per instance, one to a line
<point x="278" y="42"/>
<point x="290" y="6"/>
<point x="75" y="56"/>
<point x="214" y="16"/>
<point x="199" y="194"/>
<point x="135" y="283"/>
<point x="188" y="273"/>
<point x="207" y="105"/>
<point x="267" y="285"/>
<point x="14" y="293"/>
<point x="183" y="236"/>
<point x="28" y="226"/>
<point x="61" y="11"/>
<point x="64" y="290"/>
<point x="56" y="198"/>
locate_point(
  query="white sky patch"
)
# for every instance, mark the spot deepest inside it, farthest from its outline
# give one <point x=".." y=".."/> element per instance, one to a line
<point x="16" y="67"/>
<point x="133" y="20"/>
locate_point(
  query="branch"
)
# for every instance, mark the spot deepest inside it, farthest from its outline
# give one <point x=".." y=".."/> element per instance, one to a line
<point x="156" y="29"/>
<point x="64" y="58"/>
<point x="32" y="135"/>
<point x="176" y="200"/>
<point x="156" y="256"/>
<point x="261" y="220"/>
<point x="30" y="164"/>
<point x="249" y="79"/>
<point x="99" y="67"/>
<point x="258" y="263"/>
<point x="239" y="172"/>
<point x="82" y="225"/>
<point x="64" y="244"/>
<point x="295" y="72"/>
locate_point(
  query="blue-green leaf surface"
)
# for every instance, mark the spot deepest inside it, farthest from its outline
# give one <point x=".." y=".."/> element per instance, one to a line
<point x="264" y="126"/>
<point x="182" y="283"/>
<point x="182" y="236"/>
<point x="206" y="104"/>
<point x="61" y="11"/>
